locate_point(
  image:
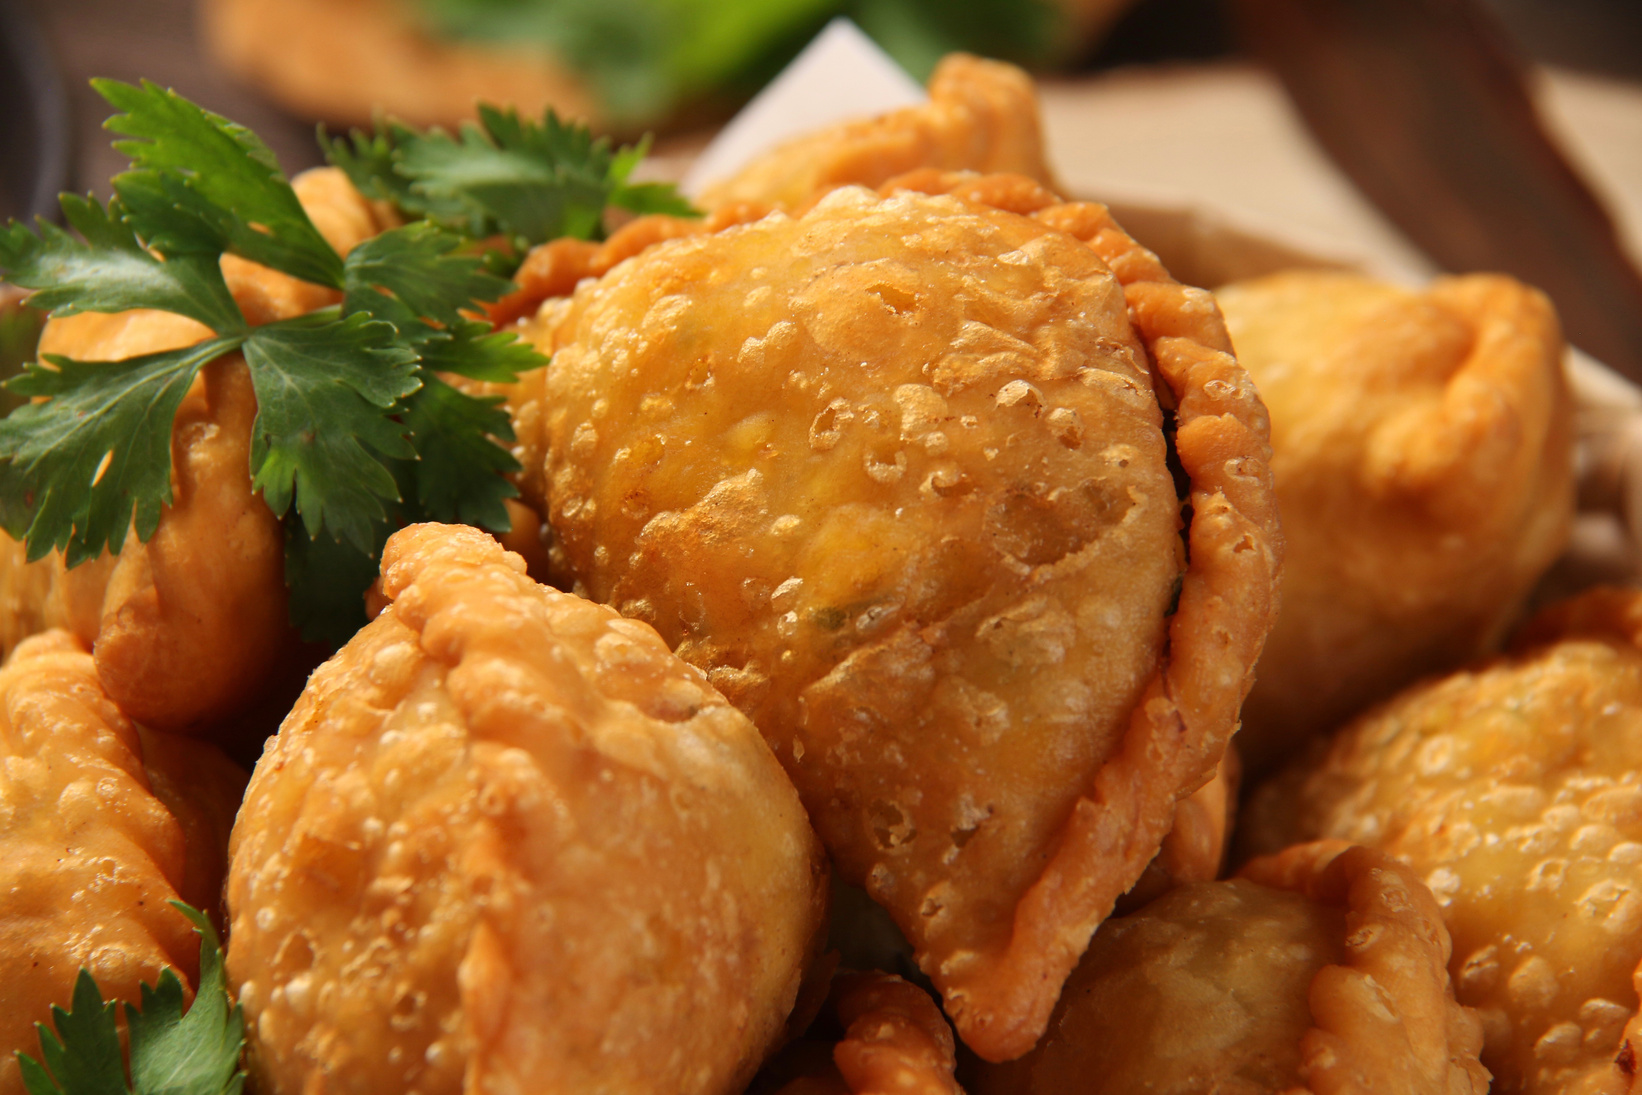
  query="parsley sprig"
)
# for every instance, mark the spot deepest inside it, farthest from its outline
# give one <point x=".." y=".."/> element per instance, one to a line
<point x="173" y="1052"/>
<point x="528" y="181"/>
<point x="355" y="434"/>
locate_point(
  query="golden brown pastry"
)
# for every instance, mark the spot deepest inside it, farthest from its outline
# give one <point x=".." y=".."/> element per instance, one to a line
<point x="187" y="627"/>
<point x="1318" y="970"/>
<point x="894" y="474"/>
<point x="1515" y="790"/>
<point x="981" y="116"/>
<point x="351" y="61"/>
<point x="506" y="838"/>
<point x="100" y="826"/>
<point x="879" y="1035"/>
<point x="1422" y="445"/>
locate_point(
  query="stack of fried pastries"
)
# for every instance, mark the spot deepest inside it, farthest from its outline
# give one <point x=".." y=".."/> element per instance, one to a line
<point x="935" y="531"/>
<point x="1514" y="789"/>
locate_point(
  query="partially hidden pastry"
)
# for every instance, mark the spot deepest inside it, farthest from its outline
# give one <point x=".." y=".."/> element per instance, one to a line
<point x="877" y="1035"/>
<point x="506" y="835"/>
<point x="1423" y="450"/>
<point x="981" y="116"/>
<point x="186" y="627"/>
<point x="895" y="474"/>
<point x="101" y="826"/>
<point x="1322" y="969"/>
<point x="1199" y="838"/>
<point x="1514" y="789"/>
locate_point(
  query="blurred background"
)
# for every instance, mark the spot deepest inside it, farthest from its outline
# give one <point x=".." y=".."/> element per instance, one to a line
<point x="1407" y="136"/>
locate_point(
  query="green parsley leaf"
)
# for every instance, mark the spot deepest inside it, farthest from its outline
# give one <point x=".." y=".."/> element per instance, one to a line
<point x="459" y="473"/>
<point x="328" y="580"/>
<point x="533" y="181"/>
<point x="83" y="1056"/>
<point x="111" y="271"/>
<point x="234" y="178"/>
<point x="326" y="388"/>
<point x="172" y="1053"/>
<point x="353" y="430"/>
<point x="73" y="468"/>
<point x="197" y="1053"/>
<point x="416" y="267"/>
<point x="475" y="351"/>
<point x="370" y="161"/>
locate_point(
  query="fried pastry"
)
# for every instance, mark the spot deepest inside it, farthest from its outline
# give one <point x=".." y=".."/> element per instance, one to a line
<point x="186" y="627"/>
<point x="1322" y="969"/>
<point x="505" y="839"/>
<point x="1422" y="446"/>
<point x="878" y="1035"/>
<point x="981" y="116"/>
<point x="1514" y="789"/>
<point x="1198" y="841"/>
<point x="100" y="826"/>
<point x="352" y="61"/>
<point x="894" y="474"/>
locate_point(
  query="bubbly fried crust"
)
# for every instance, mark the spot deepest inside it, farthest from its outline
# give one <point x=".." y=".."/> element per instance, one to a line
<point x="506" y="839"/>
<point x="1227" y="601"/>
<point x="1514" y="789"/>
<point x="1321" y="970"/>
<point x="858" y="569"/>
<point x="99" y="828"/>
<point x="1423" y="449"/>
<point x="194" y="618"/>
<point x="186" y="627"/>
<point x="981" y="116"/>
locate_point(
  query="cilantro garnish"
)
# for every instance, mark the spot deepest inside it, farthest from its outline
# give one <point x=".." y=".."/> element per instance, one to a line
<point x="173" y="1052"/>
<point x="354" y="433"/>
<point x="528" y="181"/>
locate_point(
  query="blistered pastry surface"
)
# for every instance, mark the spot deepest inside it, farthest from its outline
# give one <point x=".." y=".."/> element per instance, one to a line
<point x="894" y="473"/>
<point x="507" y="839"/>
<point x="1514" y="791"/>
<point x="89" y="855"/>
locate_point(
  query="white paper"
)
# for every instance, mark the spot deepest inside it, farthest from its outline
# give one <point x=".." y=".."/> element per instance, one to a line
<point x="840" y="76"/>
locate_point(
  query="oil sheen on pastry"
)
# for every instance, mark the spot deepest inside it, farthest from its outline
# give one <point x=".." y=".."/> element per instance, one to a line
<point x="894" y="474"/>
